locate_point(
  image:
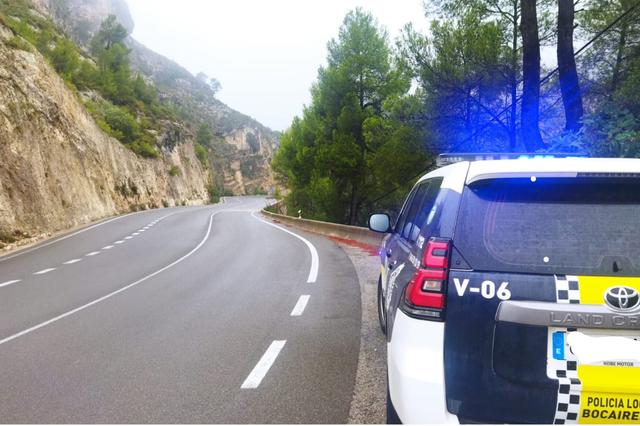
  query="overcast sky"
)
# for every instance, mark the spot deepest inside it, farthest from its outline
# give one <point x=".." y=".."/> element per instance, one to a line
<point x="265" y="53"/>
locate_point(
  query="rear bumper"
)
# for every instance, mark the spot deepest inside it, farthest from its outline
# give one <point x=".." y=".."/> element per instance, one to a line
<point x="415" y="366"/>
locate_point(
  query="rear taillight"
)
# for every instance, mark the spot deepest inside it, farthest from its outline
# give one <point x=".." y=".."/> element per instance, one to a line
<point x="425" y="295"/>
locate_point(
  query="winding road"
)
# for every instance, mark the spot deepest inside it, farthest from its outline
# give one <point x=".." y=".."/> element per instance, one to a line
<point x="207" y="314"/>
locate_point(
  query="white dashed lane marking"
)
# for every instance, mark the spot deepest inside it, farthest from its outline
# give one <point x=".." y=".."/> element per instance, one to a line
<point x="8" y="283"/>
<point x="262" y="367"/>
<point x="299" y="308"/>
<point x="65" y="237"/>
<point x="93" y="253"/>
<point x="110" y="295"/>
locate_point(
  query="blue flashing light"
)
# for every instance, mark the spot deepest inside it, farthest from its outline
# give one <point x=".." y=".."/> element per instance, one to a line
<point x="450" y="158"/>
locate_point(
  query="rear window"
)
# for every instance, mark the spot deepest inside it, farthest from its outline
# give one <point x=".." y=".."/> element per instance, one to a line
<point x="586" y="226"/>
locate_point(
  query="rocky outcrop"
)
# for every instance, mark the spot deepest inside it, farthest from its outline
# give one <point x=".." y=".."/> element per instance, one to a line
<point x="242" y="162"/>
<point x="243" y="148"/>
<point x="82" y="17"/>
<point x="60" y="170"/>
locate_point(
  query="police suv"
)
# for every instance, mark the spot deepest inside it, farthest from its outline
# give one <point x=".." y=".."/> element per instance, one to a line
<point x="509" y="292"/>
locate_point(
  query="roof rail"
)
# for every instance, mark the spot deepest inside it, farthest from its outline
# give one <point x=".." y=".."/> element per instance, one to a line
<point x="456" y="157"/>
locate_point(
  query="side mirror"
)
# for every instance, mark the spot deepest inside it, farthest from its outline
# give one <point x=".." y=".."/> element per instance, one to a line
<point x="380" y="223"/>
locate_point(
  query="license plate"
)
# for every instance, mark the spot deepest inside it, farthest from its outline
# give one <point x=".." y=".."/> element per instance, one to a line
<point x="600" y="348"/>
<point x="606" y="365"/>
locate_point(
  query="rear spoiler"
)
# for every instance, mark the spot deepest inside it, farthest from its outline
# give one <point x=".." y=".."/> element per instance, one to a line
<point x="554" y="167"/>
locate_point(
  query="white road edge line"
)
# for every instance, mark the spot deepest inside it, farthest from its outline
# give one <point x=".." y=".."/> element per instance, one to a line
<point x="11" y="256"/>
<point x="261" y="369"/>
<point x="299" y="308"/>
<point x="8" y="283"/>
<point x="44" y="271"/>
<point x="103" y="298"/>
<point x="72" y="261"/>
<point x="313" y="271"/>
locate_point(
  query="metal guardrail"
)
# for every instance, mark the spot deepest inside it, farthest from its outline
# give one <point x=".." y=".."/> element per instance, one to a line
<point x="346" y="232"/>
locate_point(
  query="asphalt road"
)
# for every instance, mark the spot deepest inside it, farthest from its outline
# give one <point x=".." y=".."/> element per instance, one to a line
<point x="179" y="315"/>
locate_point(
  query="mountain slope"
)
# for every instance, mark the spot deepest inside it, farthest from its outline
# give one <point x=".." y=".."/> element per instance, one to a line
<point x="241" y="149"/>
<point x="59" y="169"/>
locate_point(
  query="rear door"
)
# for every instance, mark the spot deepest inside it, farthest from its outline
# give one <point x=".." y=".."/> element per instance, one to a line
<point x="526" y="317"/>
<point x="408" y="243"/>
<point x="391" y="255"/>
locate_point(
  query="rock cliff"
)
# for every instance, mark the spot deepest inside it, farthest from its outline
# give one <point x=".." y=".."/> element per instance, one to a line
<point x="242" y="149"/>
<point x="59" y="167"/>
<point x="60" y="170"/>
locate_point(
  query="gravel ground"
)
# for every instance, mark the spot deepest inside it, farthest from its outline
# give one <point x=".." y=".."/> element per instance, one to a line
<point x="369" y="396"/>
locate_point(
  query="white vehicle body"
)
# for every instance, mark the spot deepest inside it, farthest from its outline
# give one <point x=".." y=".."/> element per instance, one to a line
<point x="416" y="360"/>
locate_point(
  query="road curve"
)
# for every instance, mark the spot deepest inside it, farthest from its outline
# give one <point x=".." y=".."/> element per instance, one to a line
<point x="182" y="315"/>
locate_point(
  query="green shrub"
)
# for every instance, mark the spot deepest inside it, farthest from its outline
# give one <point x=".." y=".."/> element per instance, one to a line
<point x="19" y="43"/>
<point x="121" y="121"/>
<point x="86" y="76"/>
<point x="202" y="154"/>
<point x="205" y="135"/>
<point x="214" y="193"/>
<point x="145" y="149"/>
<point x="7" y="237"/>
<point x="136" y="207"/>
<point x="65" y="59"/>
<point x="174" y="170"/>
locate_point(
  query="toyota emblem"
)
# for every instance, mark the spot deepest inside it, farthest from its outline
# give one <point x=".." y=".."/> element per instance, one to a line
<point x="621" y="298"/>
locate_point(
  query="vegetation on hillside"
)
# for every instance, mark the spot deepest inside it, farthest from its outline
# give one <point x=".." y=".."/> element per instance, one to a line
<point x="124" y="105"/>
<point x="478" y="85"/>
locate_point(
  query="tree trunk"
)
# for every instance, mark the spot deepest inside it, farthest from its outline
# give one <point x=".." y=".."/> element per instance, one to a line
<point x="514" y="79"/>
<point x="531" y="77"/>
<point x="615" y="77"/>
<point x="353" y="208"/>
<point x="355" y="202"/>
<point x="569" y="84"/>
<point x="467" y="112"/>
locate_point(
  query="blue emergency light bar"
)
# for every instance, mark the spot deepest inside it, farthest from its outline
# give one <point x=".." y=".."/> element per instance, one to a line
<point x="450" y="158"/>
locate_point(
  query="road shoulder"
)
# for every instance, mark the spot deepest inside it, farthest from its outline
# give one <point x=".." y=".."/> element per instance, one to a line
<point x="368" y="403"/>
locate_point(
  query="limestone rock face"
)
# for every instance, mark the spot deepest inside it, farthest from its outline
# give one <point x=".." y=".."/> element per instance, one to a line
<point x="239" y="138"/>
<point x="84" y="17"/>
<point x="242" y="149"/>
<point x="60" y="170"/>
